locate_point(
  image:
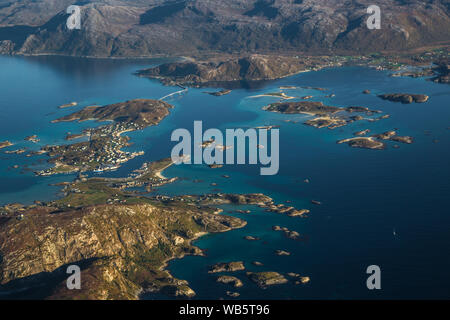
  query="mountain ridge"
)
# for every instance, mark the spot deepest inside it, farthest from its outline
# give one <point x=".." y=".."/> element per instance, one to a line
<point x="138" y="28"/>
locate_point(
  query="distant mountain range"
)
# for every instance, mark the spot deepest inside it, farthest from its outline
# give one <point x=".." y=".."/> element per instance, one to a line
<point x="132" y="28"/>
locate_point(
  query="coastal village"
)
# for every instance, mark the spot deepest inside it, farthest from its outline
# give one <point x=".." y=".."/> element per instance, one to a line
<point x="102" y="151"/>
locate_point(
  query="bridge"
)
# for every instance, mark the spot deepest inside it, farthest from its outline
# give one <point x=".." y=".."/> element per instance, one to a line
<point x="177" y="93"/>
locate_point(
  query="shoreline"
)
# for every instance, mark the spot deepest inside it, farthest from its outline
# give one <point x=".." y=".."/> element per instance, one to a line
<point x="158" y="173"/>
<point x="215" y="53"/>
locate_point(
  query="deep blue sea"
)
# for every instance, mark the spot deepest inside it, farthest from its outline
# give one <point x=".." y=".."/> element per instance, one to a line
<point x="379" y="207"/>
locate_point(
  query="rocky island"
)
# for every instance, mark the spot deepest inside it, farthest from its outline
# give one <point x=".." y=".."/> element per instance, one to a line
<point x="68" y="105"/>
<point x="267" y="278"/>
<point x="404" y="98"/>
<point x="374" y="142"/>
<point x="34" y="138"/>
<point x="404" y="139"/>
<point x="294" y="235"/>
<point x="219" y="93"/>
<point x="305" y="107"/>
<point x="325" y="116"/>
<point x="5" y="144"/>
<point x="364" y="142"/>
<point x="142" y="112"/>
<point x="227" y="267"/>
<point x="236" y="282"/>
<point x="103" y="150"/>
<point x="250" y="68"/>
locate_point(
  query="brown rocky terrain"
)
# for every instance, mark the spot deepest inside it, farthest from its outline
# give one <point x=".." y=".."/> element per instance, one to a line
<point x="364" y="142"/>
<point x="266" y="278"/>
<point x="252" y="68"/>
<point x="143" y="112"/>
<point x="306" y="107"/>
<point x="135" y="28"/>
<point x="120" y="239"/>
<point x="227" y="267"/>
<point x="325" y="116"/>
<point x="236" y="282"/>
<point x="405" y="97"/>
<point x="121" y="249"/>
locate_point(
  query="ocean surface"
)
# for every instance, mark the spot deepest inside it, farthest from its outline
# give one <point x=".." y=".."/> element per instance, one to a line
<point x="379" y="207"/>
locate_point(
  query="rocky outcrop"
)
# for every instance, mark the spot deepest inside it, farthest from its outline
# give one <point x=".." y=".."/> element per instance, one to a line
<point x="362" y="132"/>
<point x="236" y="282"/>
<point x="267" y="278"/>
<point x="376" y="140"/>
<point x="294" y="235"/>
<point x="404" y="97"/>
<point x="298" y="279"/>
<point x="219" y="93"/>
<point x="385" y="135"/>
<point x="282" y="253"/>
<point x="252" y="68"/>
<point x="5" y="144"/>
<point x="227" y="267"/>
<point x="288" y="210"/>
<point x="120" y="249"/>
<point x="403" y="139"/>
<point x="363" y="142"/>
<point x="233" y="294"/>
<point x="7" y="47"/>
<point x="306" y="107"/>
<point x="143" y="112"/>
<point x="238" y="199"/>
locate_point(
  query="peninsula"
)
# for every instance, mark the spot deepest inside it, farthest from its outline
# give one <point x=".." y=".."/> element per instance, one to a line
<point x="250" y="68"/>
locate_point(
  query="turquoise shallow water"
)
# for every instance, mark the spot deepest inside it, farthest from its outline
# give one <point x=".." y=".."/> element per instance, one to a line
<point x="366" y="194"/>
